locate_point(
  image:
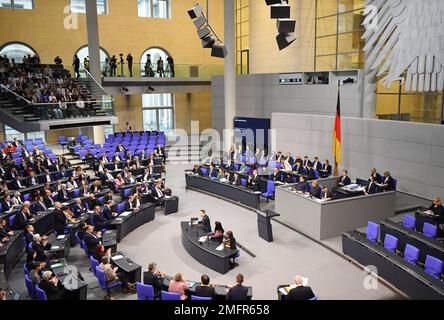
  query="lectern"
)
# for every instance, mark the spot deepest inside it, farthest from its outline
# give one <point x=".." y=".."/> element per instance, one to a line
<point x="264" y="228"/>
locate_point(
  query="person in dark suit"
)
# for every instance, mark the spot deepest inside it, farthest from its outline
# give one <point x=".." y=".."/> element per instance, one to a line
<point x="91" y="240"/>
<point x="326" y="169"/>
<point x="98" y="221"/>
<point x="316" y="165"/>
<point x="310" y="172"/>
<point x="32" y="180"/>
<point x="325" y="194"/>
<point x="129" y="203"/>
<point x="372" y="187"/>
<point x="59" y="219"/>
<point x="344" y="180"/>
<point x="388" y="183"/>
<point x="302" y="185"/>
<point x="160" y="152"/>
<point x="277" y="175"/>
<point x="108" y="214"/>
<point x="17" y="184"/>
<point x="306" y="162"/>
<point x="316" y="190"/>
<point x="239" y="291"/>
<point x="298" y="168"/>
<point x="28" y="235"/>
<point x="6" y="203"/>
<point x="39" y="245"/>
<point x="22" y="218"/>
<point x="204" y="223"/>
<point x="376" y="176"/>
<point x="300" y="292"/>
<point x="93" y="202"/>
<point x="49" y="201"/>
<point x="121" y="148"/>
<point x="50" y="284"/>
<point x="153" y="277"/>
<point x="77" y="209"/>
<point x="205" y="289"/>
<point x="256" y="181"/>
<point x="235" y="179"/>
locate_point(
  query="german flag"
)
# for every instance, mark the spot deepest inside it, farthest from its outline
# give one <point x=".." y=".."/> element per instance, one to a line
<point x="337" y="133"/>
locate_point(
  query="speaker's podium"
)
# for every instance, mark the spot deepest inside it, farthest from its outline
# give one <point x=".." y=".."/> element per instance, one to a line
<point x="170" y="205"/>
<point x="264" y="228"/>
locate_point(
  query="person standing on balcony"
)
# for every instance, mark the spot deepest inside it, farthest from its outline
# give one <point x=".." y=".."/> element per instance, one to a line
<point x="170" y="66"/>
<point x="86" y="63"/>
<point x="76" y="64"/>
<point x="129" y="59"/>
<point x="160" y="70"/>
<point x="113" y="65"/>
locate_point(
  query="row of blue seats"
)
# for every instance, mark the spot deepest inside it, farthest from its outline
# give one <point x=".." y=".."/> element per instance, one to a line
<point x="433" y="266"/>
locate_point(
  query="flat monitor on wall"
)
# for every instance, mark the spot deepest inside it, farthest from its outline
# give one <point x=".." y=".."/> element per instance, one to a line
<point x="260" y="127"/>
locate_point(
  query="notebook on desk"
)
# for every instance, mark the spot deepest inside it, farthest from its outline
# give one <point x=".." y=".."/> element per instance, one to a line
<point x="286" y="290"/>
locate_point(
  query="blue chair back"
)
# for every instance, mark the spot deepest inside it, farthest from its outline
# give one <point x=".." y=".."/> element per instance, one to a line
<point x="433" y="266"/>
<point x="372" y="232"/>
<point x="101" y="277"/>
<point x="144" y="291"/>
<point x="76" y="236"/>
<point x="271" y="187"/>
<point x="94" y="264"/>
<point x="85" y="248"/>
<point x="120" y="207"/>
<point x="30" y="287"/>
<point x="41" y="295"/>
<point x="243" y="182"/>
<point x="25" y="269"/>
<point x="390" y="243"/>
<point x="205" y="171"/>
<point x="169" y="295"/>
<point x="11" y="220"/>
<point x="196" y="298"/>
<point x="127" y="192"/>
<point x="409" y="222"/>
<point x="76" y="193"/>
<point x="429" y="230"/>
<point x="411" y="254"/>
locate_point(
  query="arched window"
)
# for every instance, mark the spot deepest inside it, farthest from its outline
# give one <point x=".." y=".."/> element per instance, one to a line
<point x="155" y="53"/>
<point x="16" y="51"/>
<point x="83" y="52"/>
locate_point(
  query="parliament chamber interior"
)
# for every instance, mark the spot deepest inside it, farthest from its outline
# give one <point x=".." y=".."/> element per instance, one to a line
<point x="231" y="150"/>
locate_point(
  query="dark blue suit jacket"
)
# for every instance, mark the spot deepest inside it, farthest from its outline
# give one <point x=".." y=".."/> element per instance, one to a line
<point x="107" y="213"/>
<point x="238" y="292"/>
<point x="76" y="210"/>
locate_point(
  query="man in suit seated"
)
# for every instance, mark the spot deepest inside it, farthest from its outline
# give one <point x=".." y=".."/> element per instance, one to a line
<point x="50" y="284"/>
<point x="344" y="180"/>
<point x="32" y="180"/>
<point x="6" y="203"/>
<point x="302" y="185"/>
<point x="98" y="221"/>
<point x="204" y="223"/>
<point x="300" y="292"/>
<point x="316" y="165"/>
<point x="229" y="165"/>
<point x="298" y="168"/>
<point x="93" y="202"/>
<point x="22" y="218"/>
<point x="239" y="291"/>
<point x="153" y="277"/>
<point x="388" y="183"/>
<point x="277" y="175"/>
<point x="256" y="181"/>
<point x="235" y="179"/>
<point x="205" y="289"/>
<point x="325" y="194"/>
<point x="306" y="162"/>
<point x="243" y="168"/>
<point x="160" y="152"/>
<point x="39" y="245"/>
<point x="310" y="172"/>
<point x="108" y="214"/>
<point x="77" y="209"/>
<point x="49" y="201"/>
<point x="316" y="189"/>
<point x="91" y="240"/>
<point x="121" y="148"/>
<point x="46" y="178"/>
<point x="17" y="183"/>
<point x="372" y="187"/>
<point x="130" y="178"/>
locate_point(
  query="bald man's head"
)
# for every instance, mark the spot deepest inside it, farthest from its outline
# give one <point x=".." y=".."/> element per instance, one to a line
<point x="298" y="280"/>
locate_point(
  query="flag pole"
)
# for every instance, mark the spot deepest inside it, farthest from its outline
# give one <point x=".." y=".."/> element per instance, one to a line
<point x="336" y="165"/>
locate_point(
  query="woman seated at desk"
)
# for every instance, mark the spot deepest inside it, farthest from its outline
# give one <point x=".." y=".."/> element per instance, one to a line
<point x="220" y="174"/>
<point x="230" y="243"/>
<point x="119" y="181"/>
<point x="437" y="209"/>
<point x="218" y="232"/>
<point x="179" y="285"/>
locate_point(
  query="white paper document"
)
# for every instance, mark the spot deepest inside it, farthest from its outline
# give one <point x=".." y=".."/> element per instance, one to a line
<point x="220" y="248"/>
<point x="117" y="257"/>
<point x="125" y="214"/>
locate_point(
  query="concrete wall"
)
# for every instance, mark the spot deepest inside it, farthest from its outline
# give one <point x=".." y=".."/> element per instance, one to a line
<point x="260" y="95"/>
<point x="412" y="152"/>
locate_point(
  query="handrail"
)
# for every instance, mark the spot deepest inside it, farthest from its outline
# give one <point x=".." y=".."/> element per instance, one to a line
<point x="71" y="102"/>
<point x="87" y="72"/>
<point x="17" y="95"/>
